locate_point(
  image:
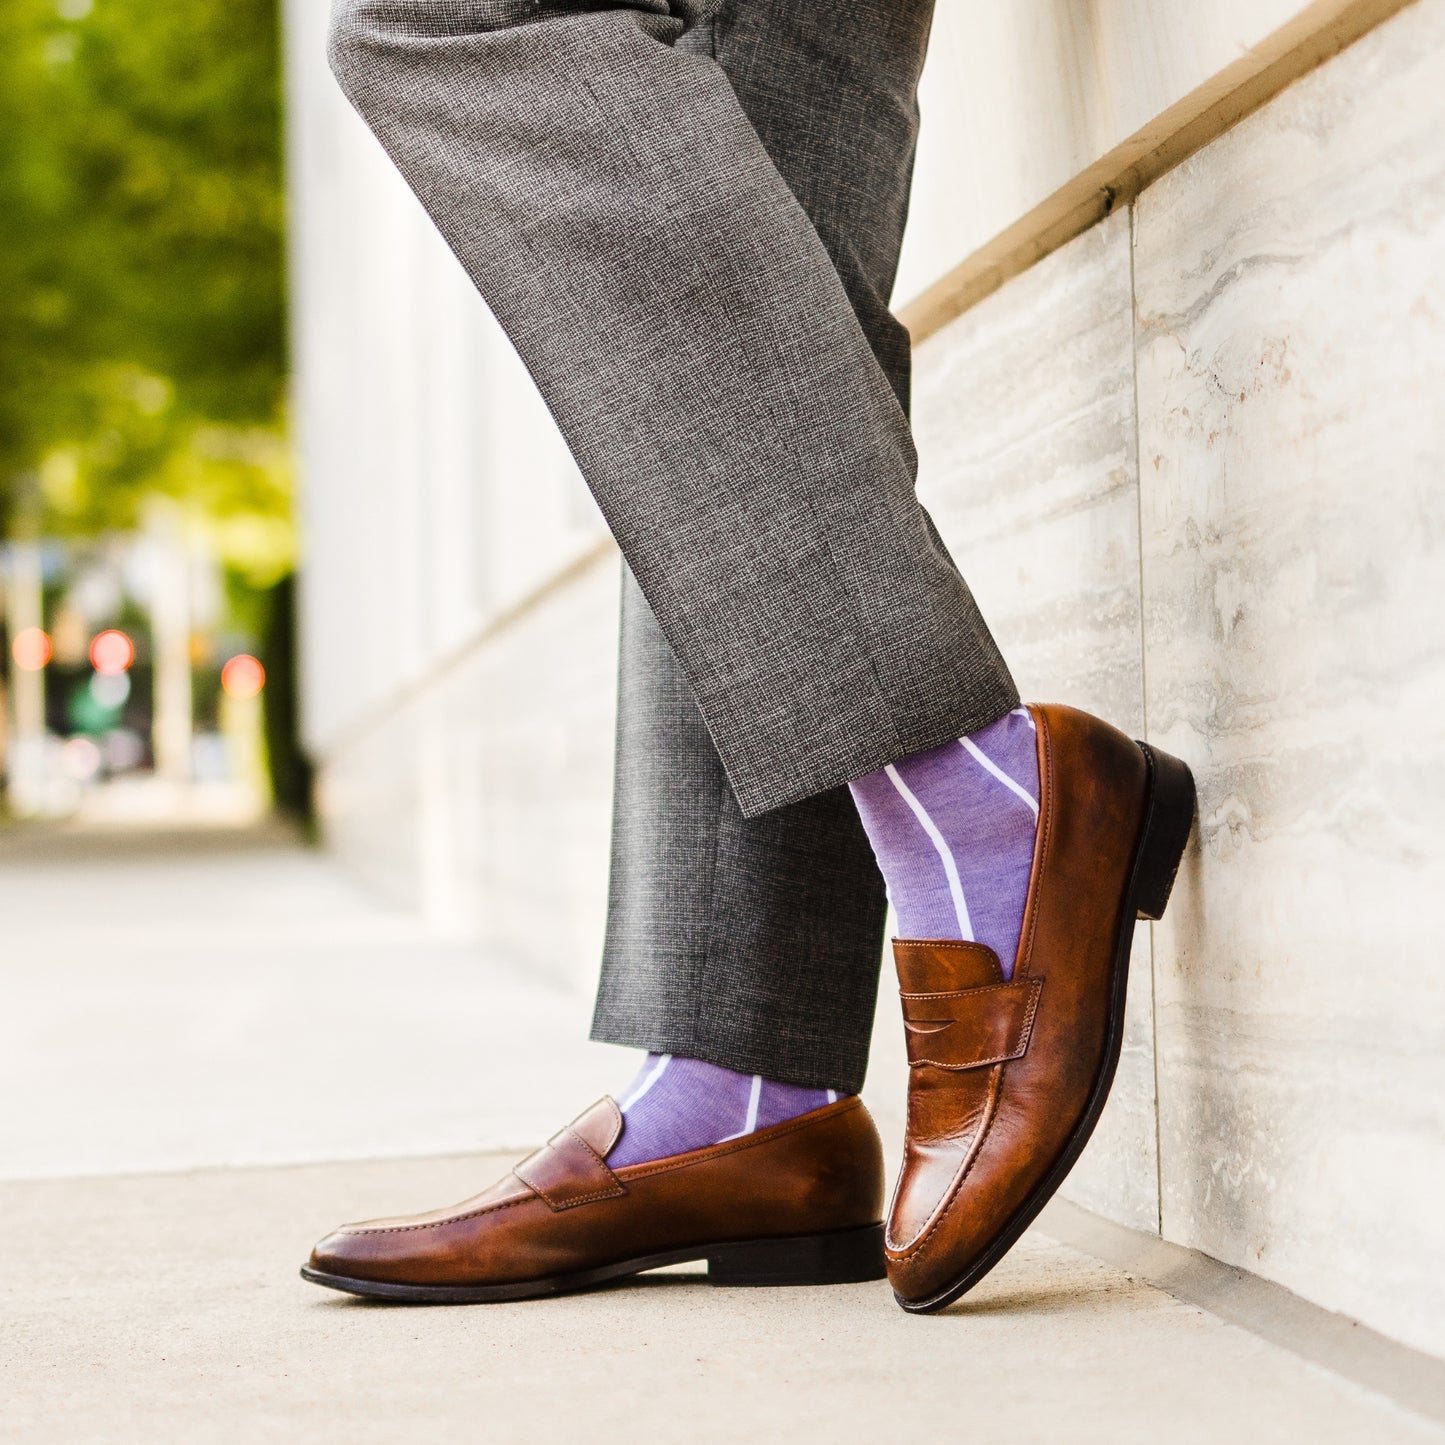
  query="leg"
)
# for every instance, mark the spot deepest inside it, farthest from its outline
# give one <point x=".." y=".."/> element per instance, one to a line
<point x="773" y="924"/>
<point x="700" y="352"/>
<point x="705" y="360"/>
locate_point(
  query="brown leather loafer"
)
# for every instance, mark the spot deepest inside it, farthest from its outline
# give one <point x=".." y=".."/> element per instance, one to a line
<point x="1007" y="1079"/>
<point x="800" y="1203"/>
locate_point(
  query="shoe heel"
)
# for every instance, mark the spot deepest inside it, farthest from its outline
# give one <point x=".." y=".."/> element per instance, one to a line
<point x="846" y="1256"/>
<point x="1166" y="831"/>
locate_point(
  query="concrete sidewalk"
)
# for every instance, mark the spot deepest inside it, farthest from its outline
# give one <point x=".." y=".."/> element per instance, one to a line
<point x="188" y="1024"/>
<point x="167" y="1308"/>
<point x="169" y="1001"/>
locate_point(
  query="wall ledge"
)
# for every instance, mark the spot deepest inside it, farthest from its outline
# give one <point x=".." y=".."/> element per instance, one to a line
<point x="448" y="662"/>
<point x="1318" y="32"/>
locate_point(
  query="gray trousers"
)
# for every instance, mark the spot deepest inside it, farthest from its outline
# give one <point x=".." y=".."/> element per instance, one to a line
<point x="686" y="216"/>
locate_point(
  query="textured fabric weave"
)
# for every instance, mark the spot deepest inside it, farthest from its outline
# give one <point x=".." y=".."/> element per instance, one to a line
<point x="614" y="204"/>
<point x="755" y="942"/>
<point x="750" y="942"/>
<point x="677" y="1104"/>
<point x="954" y="831"/>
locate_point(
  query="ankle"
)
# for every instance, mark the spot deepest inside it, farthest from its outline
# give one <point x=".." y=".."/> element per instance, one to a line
<point x="953" y="830"/>
<point x="677" y="1104"/>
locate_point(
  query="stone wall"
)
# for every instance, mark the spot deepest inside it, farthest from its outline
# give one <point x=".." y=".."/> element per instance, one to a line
<point x="1194" y="465"/>
<point x="1290" y="322"/>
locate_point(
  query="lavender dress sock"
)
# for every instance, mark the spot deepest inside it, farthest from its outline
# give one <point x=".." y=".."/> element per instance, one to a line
<point x="676" y="1104"/>
<point x="953" y="831"/>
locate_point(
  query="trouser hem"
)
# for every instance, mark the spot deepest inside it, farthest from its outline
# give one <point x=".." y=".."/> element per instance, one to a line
<point x="758" y="794"/>
<point x="827" y="1065"/>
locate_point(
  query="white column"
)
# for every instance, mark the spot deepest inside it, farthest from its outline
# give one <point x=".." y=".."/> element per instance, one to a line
<point x="25" y="608"/>
<point x="170" y="609"/>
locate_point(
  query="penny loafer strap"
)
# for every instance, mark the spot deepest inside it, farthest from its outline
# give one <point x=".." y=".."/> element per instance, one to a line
<point x="970" y="1028"/>
<point x="567" y="1171"/>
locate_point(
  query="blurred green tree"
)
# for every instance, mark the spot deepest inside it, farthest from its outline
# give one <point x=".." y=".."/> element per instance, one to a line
<point x="142" y="302"/>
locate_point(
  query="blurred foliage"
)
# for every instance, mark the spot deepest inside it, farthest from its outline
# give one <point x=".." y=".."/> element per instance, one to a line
<point x="142" y="306"/>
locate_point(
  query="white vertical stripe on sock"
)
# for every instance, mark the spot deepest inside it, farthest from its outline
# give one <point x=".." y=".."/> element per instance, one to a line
<point x="1027" y="716"/>
<point x="940" y="846"/>
<point x="647" y="1083"/>
<point x="832" y="1096"/>
<point x="998" y="772"/>
<point x="755" y="1095"/>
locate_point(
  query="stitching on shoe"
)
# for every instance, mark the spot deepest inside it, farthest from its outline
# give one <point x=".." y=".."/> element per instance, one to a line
<point x="1020" y="1041"/>
<point x="580" y="1198"/>
<point x="602" y="1163"/>
<point x="613" y="1189"/>
<point x="929" y="1232"/>
<point x="959" y="945"/>
<point x="967" y="992"/>
<point x="1025" y="956"/>
<point x="634" y="1172"/>
<point x="450" y="1219"/>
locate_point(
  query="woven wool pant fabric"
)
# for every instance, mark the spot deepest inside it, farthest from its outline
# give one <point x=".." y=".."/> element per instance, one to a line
<point x="688" y="218"/>
<point x="753" y="943"/>
<point x="620" y="212"/>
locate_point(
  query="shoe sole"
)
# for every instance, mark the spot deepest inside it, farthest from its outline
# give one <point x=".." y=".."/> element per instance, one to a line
<point x="1168" y="818"/>
<point x="845" y="1256"/>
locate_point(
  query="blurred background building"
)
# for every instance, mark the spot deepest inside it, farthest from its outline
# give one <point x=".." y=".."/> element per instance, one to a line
<point x="1176" y="275"/>
<point x="144" y="449"/>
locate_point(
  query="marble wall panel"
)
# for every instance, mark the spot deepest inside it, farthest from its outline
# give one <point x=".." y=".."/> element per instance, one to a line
<point x="1024" y="411"/>
<point x="434" y="489"/>
<point x="1019" y="98"/>
<point x="532" y="725"/>
<point x="484" y="799"/>
<point x="1291" y="333"/>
